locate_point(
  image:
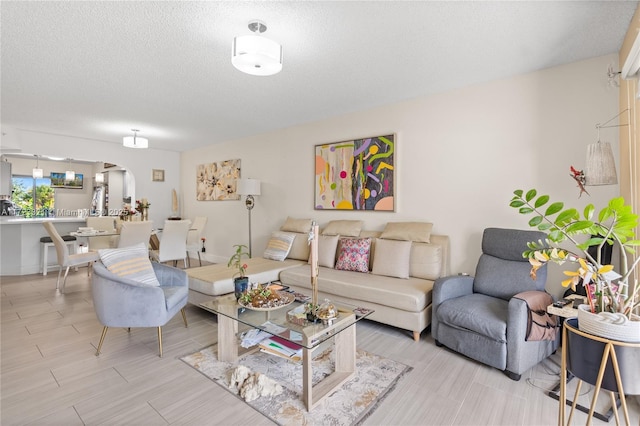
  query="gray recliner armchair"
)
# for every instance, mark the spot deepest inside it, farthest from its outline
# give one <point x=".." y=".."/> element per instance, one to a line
<point x="479" y="317"/>
<point x="122" y="302"/>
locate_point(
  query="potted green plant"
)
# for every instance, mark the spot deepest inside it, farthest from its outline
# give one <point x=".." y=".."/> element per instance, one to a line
<point x="612" y="302"/>
<point x="240" y="280"/>
<point x="609" y="292"/>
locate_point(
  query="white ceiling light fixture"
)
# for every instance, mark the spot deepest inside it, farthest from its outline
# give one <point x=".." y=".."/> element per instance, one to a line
<point x="37" y="172"/>
<point x="69" y="175"/>
<point x="135" y="141"/>
<point x="256" y="55"/>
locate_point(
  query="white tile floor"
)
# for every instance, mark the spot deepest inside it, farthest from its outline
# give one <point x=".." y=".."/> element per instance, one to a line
<point x="51" y="376"/>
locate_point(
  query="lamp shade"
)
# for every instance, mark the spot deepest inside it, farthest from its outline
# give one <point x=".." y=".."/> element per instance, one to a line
<point x="69" y="175"/>
<point x="601" y="167"/>
<point x="99" y="178"/>
<point x="37" y="171"/>
<point x="248" y="187"/>
<point x="256" y="55"/>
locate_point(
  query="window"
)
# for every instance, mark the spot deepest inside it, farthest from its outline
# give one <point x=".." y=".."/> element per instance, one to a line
<point x="33" y="197"/>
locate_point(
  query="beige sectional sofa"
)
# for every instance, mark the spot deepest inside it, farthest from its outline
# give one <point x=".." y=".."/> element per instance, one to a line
<point x="401" y="302"/>
<point x="404" y="261"/>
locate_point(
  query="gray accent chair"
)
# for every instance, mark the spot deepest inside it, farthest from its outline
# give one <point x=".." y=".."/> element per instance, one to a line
<point x="121" y="302"/>
<point x="478" y="316"/>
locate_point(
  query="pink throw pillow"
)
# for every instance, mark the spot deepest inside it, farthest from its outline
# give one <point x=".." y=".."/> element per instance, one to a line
<point x="354" y="254"/>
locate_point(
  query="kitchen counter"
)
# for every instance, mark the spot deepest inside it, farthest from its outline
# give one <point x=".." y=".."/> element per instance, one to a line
<point x="20" y="251"/>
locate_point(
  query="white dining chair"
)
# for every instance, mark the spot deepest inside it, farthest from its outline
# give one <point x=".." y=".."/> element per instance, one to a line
<point x="102" y="223"/>
<point x="173" y="242"/>
<point x="66" y="259"/>
<point x="132" y="233"/>
<point x="193" y="237"/>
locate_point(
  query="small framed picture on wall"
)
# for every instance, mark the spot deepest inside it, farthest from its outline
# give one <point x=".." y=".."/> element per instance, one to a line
<point x="157" y="175"/>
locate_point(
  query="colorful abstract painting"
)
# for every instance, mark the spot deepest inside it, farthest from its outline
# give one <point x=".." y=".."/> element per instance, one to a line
<point x="356" y="175"/>
<point x="217" y="181"/>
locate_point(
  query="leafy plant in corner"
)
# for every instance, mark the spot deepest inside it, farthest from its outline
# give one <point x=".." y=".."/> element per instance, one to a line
<point x="236" y="260"/>
<point x="607" y="290"/>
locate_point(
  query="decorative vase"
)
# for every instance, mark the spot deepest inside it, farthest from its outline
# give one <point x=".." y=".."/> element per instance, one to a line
<point x="241" y="284"/>
<point x="609" y="325"/>
<point x="584" y="359"/>
<point x="145" y="213"/>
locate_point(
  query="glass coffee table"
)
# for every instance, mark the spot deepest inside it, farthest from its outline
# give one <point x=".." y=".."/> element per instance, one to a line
<point x="234" y="319"/>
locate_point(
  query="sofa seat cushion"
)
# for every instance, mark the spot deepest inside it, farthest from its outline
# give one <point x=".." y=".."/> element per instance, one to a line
<point x="479" y="313"/>
<point x="216" y="280"/>
<point x="413" y="294"/>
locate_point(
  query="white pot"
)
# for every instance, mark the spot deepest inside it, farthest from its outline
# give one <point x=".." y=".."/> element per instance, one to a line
<point x="610" y="326"/>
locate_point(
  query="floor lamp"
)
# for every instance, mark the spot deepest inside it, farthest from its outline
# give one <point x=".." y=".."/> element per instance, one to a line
<point x="248" y="187"/>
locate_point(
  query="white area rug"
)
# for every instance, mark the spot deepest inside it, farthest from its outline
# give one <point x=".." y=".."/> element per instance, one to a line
<point x="375" y="377"/>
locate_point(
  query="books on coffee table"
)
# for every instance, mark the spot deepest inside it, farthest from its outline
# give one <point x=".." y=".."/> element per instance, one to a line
<point x="276" y="345"/>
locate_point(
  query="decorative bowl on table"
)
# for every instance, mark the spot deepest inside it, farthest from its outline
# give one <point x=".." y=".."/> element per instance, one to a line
<point x="264" y="299"/>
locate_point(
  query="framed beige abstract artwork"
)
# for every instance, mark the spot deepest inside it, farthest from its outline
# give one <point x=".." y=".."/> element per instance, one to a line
<point x="217" y="181"/>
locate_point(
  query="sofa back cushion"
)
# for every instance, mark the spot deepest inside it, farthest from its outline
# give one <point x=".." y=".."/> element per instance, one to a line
<point x="426" y="261"/>
<point x="300" y="247"/>
<point x="408" y="231"/>
<point x="296" y="225"/>
<point x="344" y="228"/>
<point x="392" y="258"/>
<point x="374" y="235"/>
<point x="327" y="248"/>
<point x="502" y="271"/>
<point x="505" y="278"/>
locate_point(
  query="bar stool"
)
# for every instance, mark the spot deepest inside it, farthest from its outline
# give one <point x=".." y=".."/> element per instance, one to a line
<point x="46" y="242"/>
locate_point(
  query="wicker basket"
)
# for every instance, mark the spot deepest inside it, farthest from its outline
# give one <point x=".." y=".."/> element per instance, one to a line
<point x="608" y="325"/>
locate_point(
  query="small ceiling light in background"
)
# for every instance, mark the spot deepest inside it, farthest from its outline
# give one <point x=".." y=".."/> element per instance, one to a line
<point x="256" y="55"/>
<point x="135" y="141"/>
<point x="69" y="174"/>
<point x="37" y="172"/>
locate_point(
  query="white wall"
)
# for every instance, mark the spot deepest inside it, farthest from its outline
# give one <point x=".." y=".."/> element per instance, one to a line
<point x="139" y="162"/>
<point x="460" y="155"/>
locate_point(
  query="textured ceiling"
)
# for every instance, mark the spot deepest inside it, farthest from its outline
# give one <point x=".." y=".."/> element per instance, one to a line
<point x="95" y="70"/>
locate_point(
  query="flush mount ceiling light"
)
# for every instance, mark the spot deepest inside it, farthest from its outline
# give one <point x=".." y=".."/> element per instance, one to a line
<point x="37" y="172"/>
<point x="256" y="55"/>
<point x="135" y="141"/>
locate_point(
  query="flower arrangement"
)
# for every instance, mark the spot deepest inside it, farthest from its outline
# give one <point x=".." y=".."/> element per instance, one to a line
<point x="127" y="211"/>
<point x="142" y="204"/>
<point x="607" y="290"/>
<point x="236" y="260"/>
